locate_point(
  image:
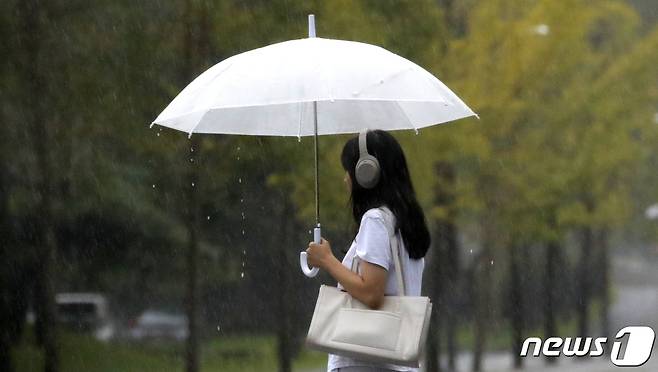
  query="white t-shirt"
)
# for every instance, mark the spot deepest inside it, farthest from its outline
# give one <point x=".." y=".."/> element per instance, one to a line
<point x="372" y="244"/>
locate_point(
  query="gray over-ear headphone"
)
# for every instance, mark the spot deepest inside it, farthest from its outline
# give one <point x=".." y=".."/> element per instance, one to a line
<point x="367" y="168"/>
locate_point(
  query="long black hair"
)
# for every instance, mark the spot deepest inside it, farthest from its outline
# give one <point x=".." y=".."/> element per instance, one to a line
<point x="394" y="189"/>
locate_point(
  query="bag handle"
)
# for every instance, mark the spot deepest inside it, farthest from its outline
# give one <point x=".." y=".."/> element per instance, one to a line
<point x="394" y="244"/>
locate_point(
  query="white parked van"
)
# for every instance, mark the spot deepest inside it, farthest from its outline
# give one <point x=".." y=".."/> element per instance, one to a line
<point x="85" y="312"/>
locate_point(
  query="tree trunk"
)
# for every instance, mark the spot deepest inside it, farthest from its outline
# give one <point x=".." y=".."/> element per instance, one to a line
<point x="433" y="343"/>
<point x="6" y="305"/>
<point x="516" y="304"/>
<point x="192" y="296"/>
<point x="196" y="51"/>
<point x="482" y="277"/>
<point x="444" y="269"/>
<point x="584" y="282"/>
<point x="452" y="294"/>
<point x="550" y="276"/>
<point x="30" y="13"/>
<point x="482" y="306"/>
<point x="604" y="272"/>
<point x="451" y="263"/>
<point x="283" y="273"/>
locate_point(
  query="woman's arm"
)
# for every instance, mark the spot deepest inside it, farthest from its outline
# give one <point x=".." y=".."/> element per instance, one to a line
<point x="368" y="287"/>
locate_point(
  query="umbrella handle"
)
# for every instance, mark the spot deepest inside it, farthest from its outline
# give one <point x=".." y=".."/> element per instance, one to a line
<point x="303" y="262"/>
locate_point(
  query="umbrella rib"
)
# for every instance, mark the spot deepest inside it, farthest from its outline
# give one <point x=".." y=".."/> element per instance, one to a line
<point x="397" y="104"/>
<point x="189" y="134"/>
<point x="301" y="120"/>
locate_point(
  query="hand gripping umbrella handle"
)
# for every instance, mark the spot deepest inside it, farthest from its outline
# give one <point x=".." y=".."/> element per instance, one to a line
<point x="303" y="262"/>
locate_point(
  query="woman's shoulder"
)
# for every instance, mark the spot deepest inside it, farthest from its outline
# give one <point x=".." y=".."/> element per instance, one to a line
<point x="380" y="213"/>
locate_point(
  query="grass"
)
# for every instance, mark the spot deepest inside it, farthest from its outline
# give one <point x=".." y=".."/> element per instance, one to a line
<point x="231" y="353"/>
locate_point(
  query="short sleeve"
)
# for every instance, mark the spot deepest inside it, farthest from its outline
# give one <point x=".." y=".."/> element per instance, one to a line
<point x="373" y="242"/>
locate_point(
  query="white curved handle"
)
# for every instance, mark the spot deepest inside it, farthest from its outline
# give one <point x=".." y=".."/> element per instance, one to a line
<point x="303" y="261"/>
<point x="304" y="264"/>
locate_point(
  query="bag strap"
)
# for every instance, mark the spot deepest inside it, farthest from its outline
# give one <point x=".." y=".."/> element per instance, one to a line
<point x="395" y="253"/>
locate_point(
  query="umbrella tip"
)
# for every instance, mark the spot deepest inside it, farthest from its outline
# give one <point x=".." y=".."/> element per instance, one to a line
<point x="311" y="25"/>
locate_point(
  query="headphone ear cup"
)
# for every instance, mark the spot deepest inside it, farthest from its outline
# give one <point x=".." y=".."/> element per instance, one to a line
<point x="367" y="171"/>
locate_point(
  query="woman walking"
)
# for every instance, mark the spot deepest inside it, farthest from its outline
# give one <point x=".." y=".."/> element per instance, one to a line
<point x="382" y="199"/>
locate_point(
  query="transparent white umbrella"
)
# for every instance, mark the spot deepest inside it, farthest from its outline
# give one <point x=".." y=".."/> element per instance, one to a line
<point x="312" y="86"/>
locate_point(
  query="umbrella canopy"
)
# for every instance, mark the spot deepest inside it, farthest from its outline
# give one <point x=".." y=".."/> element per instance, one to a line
<point x="308" y="87"/>
<point x="270" y="91"/>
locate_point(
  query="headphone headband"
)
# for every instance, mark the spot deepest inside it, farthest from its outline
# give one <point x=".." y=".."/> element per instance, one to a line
<point x="363" y="148"/>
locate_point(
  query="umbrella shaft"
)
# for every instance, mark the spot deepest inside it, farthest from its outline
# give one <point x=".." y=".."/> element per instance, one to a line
<point x="317" y="174"/>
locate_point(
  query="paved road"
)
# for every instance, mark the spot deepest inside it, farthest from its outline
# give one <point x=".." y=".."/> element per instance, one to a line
<point x="500" y="362"/>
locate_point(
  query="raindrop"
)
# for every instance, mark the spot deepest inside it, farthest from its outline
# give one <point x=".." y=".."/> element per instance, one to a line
<point x="310" y="232"/>
<point x="240" y="180"/>
<point x="238" y="148"/>
<point x="242" y="263"/>
<point x="191" y="160"/>
<point x="238" y="158"/>
<point x="242" y="274"/>
<point x="471" y="251"/>
<point x="243" y="216"/>
<point x="492" y="262"/>
<point x="208" y="217"/>
<point x="153" y="185"/>
<point x="241" y="200"/>
<point x="218" y="329"/>
<point x="191" y="149"/>
<point x="192" y="184"/>
<point x="158" y="134"/>
<point x="243" y="232"/>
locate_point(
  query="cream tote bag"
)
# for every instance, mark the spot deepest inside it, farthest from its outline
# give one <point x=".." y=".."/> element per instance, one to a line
<point x="395" y="333"/>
